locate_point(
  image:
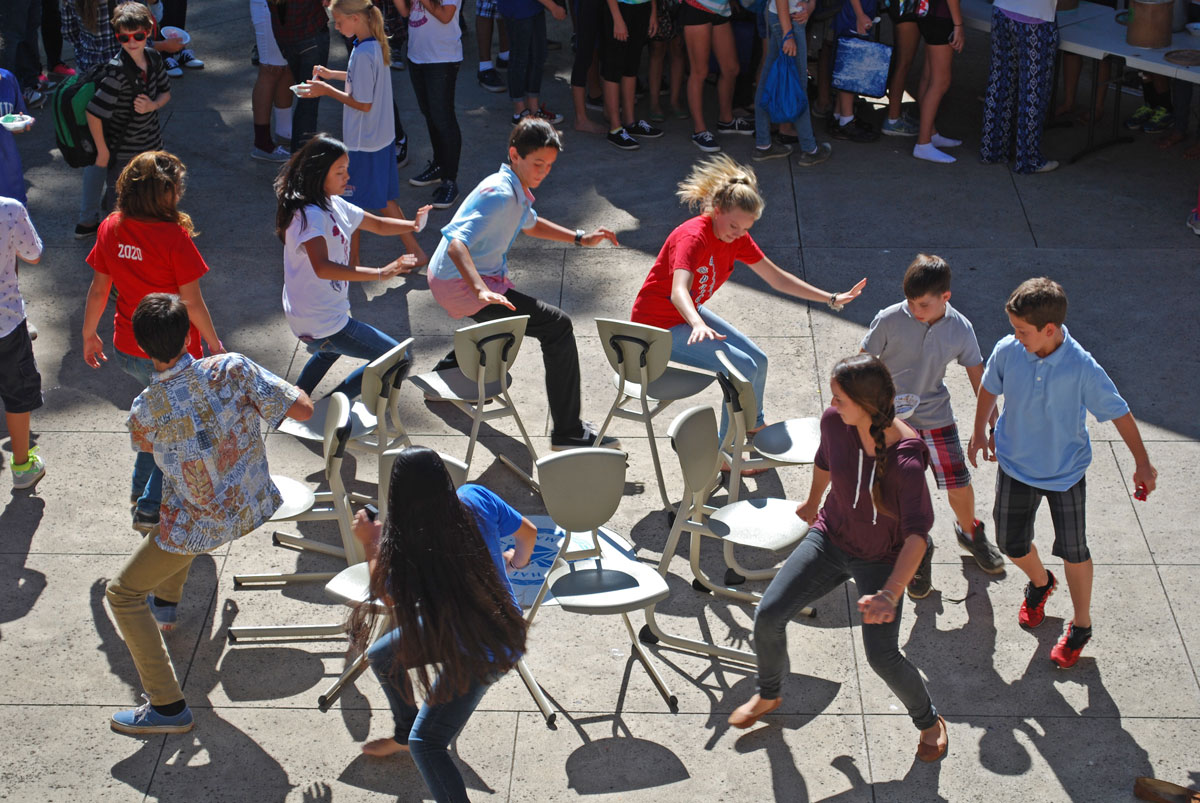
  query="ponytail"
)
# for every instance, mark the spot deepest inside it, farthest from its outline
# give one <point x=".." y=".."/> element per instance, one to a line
<point x="374" y="19"/>
<point x="721" y="184"/>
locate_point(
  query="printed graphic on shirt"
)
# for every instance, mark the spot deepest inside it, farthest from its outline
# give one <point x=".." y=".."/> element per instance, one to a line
<point x="129" y="252"/>
<point x="704" y="287"/>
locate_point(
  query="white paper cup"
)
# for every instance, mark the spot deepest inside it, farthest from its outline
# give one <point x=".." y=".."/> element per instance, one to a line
<point x="300" y="90"/>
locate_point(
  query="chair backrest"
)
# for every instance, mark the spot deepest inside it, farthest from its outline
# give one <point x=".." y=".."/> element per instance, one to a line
<point x="582" y="488"/>
<point x="456" y="468"/>
<point x="629" y="346"/>
<point x="492" y="346"/>
<point x="383" y="376"/>
<point x="693" y="436"/>
<point x="738" y="392"/>
<point x="337" y="433"/>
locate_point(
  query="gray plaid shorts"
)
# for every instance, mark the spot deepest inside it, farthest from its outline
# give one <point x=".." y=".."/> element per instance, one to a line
<point x="1016" y="507"/>
<point x="486" y="9"/>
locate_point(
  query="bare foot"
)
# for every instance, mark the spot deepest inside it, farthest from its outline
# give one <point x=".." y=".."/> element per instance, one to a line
<point x="588" y="127"/>
<point x="752" y="710"/>
<point x="1170" y="139"/>
<point x="1192" y="152"/>
<point x="381" y="748"/>
<point x="746" y="472"/>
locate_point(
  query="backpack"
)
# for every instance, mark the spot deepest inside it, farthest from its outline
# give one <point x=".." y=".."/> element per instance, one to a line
<point x="69" y="110"/>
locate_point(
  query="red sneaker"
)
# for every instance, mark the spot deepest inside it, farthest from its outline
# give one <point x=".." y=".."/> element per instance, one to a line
<point x="1068" y="649"/>
<point x="1033" y="606"/>
<point x="63" y="70"/>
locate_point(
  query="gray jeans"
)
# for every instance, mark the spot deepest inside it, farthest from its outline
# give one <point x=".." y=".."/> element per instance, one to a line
<point x="814" y="569"/>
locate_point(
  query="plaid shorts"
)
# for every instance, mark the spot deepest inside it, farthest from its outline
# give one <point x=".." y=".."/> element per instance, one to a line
<point x="1015" y="509"/>
<point x="487" y="9"/>
<point x="946" y="455"/>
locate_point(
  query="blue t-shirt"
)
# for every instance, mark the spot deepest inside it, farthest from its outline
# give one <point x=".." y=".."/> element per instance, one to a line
<point x="12" y="175"/>
<point x="496" y="519"/>
<point x="487" y="223"/>
<point x="1041" y="437"/>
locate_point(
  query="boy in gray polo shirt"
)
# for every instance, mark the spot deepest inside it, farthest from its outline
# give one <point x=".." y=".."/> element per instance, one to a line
<point x="917" y="338"/>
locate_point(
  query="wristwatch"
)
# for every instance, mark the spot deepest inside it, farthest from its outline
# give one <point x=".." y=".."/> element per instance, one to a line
<point x="579" y="236"/>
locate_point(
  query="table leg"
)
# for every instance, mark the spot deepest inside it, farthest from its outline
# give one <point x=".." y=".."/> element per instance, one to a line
<point x="1116" y="138"/>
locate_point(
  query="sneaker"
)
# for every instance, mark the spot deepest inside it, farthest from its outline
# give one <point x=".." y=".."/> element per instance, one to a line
<point x="85" y="230"/>
<point x="1193" y="222"/>
<point x="445" y="195"/>
<point x="738" y="125"/>
<point x="922" y="582"/>
<point x="145" y="523"/>
<point x="853" y="131"/>
<point x="186" y="58"/>
<point x="43" y="82"/>
<point x="644" y="129"/>
<point x="900" y="127"/>
<point x="595" y="104"/>
<point x="1139" y="118"/>
<point x="1160" y="122"/>
<point x="173" y="68"/>
<point x="33" y="98"/>
<point x="586" y="438"/>
<point x="706" y="142"/>
<point x="280" y="154"/>
<point x="984" y="551"/>
<point x="402" y="152"/>
<point x="773" y="151"/>
<point x="516" y="118"/>
<point x="622" y="140"/>
<point x="1033" y="606"/>
<point x="165" y="615"/>
<point x="27" y="474"/>
<point x="1068" y="649"/>
<point x="821" y="154"/>
<point x="144" y="719"/>
<point x="491" y="80"/>
<point x="553" y="118"/>
<point x="63" y="70"/>
<point x="432" y="174"/>
<point x="1048" y="166"/>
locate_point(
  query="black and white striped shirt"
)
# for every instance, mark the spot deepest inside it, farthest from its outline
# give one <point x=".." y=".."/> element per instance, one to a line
<point x="113" y="103"/>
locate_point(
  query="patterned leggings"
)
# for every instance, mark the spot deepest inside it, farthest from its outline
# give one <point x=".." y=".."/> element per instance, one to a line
<point x="1020" y="81"/>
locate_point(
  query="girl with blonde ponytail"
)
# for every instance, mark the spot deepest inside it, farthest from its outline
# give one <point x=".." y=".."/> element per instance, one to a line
<point x="873" y="527"/>
<point x="698" y="257"/>
<point x="368" y="127"/>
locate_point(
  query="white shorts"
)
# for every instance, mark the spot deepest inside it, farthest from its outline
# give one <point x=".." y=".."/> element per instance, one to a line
<point x="264" y="37"/>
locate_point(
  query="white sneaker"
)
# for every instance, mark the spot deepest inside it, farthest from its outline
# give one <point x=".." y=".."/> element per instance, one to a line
<point x="186" y="58"/>
<point x="173" y="68"/>
<point x="280" y="154"/>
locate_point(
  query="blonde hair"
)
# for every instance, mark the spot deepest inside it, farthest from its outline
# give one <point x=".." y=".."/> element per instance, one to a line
<point x="374" y="21"/>
<point x="721" y="184"/>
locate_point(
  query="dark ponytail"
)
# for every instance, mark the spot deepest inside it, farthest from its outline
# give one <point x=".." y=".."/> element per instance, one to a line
<point x="866" y="380"/>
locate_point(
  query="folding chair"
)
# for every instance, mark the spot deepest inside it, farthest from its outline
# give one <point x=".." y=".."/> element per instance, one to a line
<point x="484" y="353"/>
<point x="582" y="489"/>
<point x="639" y="355"/>
<point x="765" y="524"/>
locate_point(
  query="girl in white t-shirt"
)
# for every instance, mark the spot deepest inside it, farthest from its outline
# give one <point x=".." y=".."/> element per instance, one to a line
<point x="368" y="128"/>
<point x="434" y="56"/>
<point x="317" y="226"/>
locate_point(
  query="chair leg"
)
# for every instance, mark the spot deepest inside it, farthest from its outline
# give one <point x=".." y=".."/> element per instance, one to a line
<point x="275" y="579"/>
<point x="536" y="692"/>
<point x="347" y="678"/>
<point x="306" y="544"/>
<point x="651" y="667"/>
<point x="747" y="574"/>
<point x="476" y="420"/>
<point x="696" y="646"/>
<point x="528" y="478"/>
<point x="662" y="485"/>
<point x="284" y="632"/>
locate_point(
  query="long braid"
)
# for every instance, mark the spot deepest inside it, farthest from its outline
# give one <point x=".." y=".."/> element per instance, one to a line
<point x="879" y="423"/>
<point x="865" y="379"/>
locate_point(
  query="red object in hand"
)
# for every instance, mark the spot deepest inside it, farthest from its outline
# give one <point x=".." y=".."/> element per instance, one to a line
<point x="1140" y="492"/>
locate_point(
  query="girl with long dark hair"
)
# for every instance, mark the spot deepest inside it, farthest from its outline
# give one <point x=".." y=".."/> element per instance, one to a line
<point x="873" y="527"/>
<point x="436" y="563"/>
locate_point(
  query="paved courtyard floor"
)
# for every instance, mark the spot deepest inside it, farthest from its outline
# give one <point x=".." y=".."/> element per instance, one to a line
<point x="1110" y="228"/>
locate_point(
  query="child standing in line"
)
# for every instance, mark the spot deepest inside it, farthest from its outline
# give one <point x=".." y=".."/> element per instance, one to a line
<point x="1041" y="443"/>
<point x="627" y="26"/>
<point x="318" y="230"/>
<point x="367" y="125"/>
<point x="916" y="339"/>
<point x="20" y="382"/>
<point x="943" y="39"/>
<point x="527" y="34"/>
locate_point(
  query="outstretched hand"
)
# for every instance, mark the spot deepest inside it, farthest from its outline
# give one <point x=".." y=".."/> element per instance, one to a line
<point x="701" y="333"/>
<point x="404" y="264"/>
<point x="853" y="293"/>
<point x="600" y="235"/>
<point x="489" y="297"/>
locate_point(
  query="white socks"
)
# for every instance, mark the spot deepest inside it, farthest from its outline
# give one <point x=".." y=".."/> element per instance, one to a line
<point x="283" y="122"/>
<point x="931" y="154"/>
<point x="844" y="120"/>
<point x="484" y="66"/>
<point x="944" y="142"/>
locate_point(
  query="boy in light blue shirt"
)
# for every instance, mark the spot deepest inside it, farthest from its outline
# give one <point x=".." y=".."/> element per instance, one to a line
<point x="1049" y="384"/>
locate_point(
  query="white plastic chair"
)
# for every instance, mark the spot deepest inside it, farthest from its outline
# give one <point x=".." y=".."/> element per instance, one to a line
<point x="639" y="356"/>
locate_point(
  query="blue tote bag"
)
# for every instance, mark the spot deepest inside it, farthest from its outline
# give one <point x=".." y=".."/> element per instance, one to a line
<point x="861" y="66"/>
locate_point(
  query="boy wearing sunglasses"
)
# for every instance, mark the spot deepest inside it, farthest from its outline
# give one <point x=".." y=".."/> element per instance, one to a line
<point x="123" y="114"/>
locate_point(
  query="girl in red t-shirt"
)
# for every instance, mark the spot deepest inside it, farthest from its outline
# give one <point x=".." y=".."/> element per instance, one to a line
<point x="144" y="247"/>
<point x="698" y="257"/>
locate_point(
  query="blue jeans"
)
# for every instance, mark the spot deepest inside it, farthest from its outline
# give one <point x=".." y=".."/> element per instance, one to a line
<point x="301" y="58"/>
<point x="90" y="210"/>
<point x="762" y="121"/>
<point x="527" y="55"/>
<point x="427" y="730"/>
<point x="354" y="340"/>
<point x="816" y="567"/>
<point x="748" y="358"/>
<point x="147" y="476"/>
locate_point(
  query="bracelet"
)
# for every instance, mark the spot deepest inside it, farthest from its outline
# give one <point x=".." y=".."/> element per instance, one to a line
<point x="579" y="237"/>
<point x="789" y="35"/>
<point x="832" y="303"/>
<point x="888" y="595"/>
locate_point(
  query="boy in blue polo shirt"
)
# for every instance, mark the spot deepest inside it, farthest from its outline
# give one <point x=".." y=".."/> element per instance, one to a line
<point x="1049" y="384"/>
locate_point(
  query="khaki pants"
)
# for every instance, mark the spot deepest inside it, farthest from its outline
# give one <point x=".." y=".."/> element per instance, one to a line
<point x="149" y="570"/>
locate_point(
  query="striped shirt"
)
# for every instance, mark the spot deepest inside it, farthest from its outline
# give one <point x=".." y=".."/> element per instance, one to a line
<point x="113" y="103"/>
<point x="91" y="47"/>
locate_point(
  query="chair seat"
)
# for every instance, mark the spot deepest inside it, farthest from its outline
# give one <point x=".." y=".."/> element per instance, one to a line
<point x="674" y="384"/>
<point x="351" y="585"/>
<point x="452" y="385"/>
<point x="760" y="523"/>
<point x="297" y="497"/>
<point x="362" y="422"/>
<point x="792" y="441"/>
<point x="609" y="584"/>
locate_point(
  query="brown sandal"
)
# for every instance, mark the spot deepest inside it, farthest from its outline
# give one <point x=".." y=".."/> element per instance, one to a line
<point x="743" y="716"/>
<point x="931" y="752"/>
<point x="1145" y="788"/>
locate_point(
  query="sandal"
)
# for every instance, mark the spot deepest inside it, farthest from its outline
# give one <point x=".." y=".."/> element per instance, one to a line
<point x="743" y="716"/>
<point x="931" y="752"/>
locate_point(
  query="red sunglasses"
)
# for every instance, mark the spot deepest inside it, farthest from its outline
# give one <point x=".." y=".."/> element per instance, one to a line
<point x="137" y="36"/>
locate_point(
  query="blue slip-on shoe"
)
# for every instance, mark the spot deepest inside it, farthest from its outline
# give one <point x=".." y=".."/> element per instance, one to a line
<point x="145" y="720"/>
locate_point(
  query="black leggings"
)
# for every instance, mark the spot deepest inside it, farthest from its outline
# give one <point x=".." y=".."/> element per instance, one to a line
<point x="621" y="59"/>
<point x="589" y="22"/>
<point x="433" y="84"/>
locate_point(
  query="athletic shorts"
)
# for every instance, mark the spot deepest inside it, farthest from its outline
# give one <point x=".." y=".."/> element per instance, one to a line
<point x="691" y="15"/>
<point x="20" y="382"/>
<point x="935" y="30"/>
<point x="1015" y="510"/>
<point x="946" y="455"/>
<point x="893" y="11"/>
<point x="264" y="36"/>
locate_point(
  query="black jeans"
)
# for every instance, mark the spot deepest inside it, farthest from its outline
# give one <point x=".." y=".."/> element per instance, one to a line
<point x="527" y="55"/>
<point x="553" y="330"/>
<point x="175" y="13"/>
<point x="433" y="84"/>
<point x="19" y="23"/>
<point x="52" y="33"/>
<point x="301" y="58"/>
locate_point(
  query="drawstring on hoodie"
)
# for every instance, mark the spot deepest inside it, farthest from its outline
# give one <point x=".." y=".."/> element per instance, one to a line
<point x="870" y="484"/>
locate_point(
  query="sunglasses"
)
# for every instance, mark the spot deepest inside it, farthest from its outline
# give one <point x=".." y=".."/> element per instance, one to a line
<point x="137" y="36"/>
